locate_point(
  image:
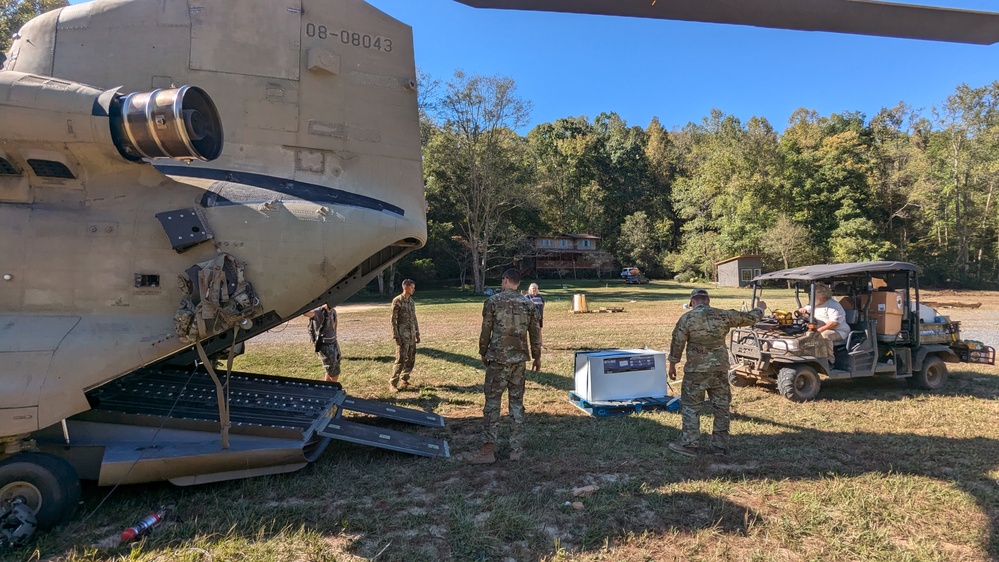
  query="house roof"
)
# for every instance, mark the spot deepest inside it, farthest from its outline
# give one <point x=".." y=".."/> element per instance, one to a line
<point x="826" y="270"/>
<point x="566" y="235"/>
<point x="746" y="256"/>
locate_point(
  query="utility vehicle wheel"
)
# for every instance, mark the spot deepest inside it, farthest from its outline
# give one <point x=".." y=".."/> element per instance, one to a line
<point x="932" y="375"/>
<point x="48" y="484"/>
<point x="799" y="384"/>
<point x="740" y="381"/>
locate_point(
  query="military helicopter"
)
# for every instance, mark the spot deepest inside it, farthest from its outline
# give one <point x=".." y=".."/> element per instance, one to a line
<point x="142" y="245"/>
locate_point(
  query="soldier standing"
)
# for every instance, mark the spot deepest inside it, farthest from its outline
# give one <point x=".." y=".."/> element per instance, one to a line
<point x="406" y="332"/>
<point x="508" y="318"/>
<point x="702" y="331"/>
<point x="322" y="331"/>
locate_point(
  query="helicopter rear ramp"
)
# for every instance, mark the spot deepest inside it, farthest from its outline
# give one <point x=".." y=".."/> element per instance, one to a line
<point x="162" y="424"/>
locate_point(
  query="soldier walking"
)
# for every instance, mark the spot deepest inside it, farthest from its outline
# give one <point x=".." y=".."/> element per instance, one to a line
<point x="406" y="332"/>
<point x="702" y="331"/>
<point x="508" y="319"/>
<point x="322" y="331"/>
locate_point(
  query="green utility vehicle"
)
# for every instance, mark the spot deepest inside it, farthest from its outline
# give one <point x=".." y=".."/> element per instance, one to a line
<point x="891" y="335"/>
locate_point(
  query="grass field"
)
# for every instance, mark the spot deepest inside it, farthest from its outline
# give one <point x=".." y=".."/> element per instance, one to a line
<point x="872" y="470"/>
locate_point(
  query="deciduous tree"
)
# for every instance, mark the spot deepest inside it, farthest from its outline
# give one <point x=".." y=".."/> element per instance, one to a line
<point x="15" y="13"/>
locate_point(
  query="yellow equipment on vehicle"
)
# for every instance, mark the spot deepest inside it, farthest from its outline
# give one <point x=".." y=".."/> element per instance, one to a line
<point x="784" y="318"/>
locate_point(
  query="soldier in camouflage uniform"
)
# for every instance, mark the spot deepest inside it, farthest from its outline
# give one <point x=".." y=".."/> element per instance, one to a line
<point x="508" y="319"/>
<point x="322" y="330"/>
<point x="702" y="331"/>
<point x="406" y="332"/>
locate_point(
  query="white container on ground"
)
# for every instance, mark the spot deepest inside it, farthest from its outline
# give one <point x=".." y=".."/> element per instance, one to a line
<point x="620" y="374"/>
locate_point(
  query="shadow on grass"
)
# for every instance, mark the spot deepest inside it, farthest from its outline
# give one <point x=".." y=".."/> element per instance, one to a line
<point x="886" y="389"/>
<point x="806" y="453"/>
<point x="545" y="378"/>
<point x="376" y="359"/>
<point x="427" y="399"/>
<point x="359" y="490"/>
<point x="572" y="451"/>
<point x="450" y="357"/>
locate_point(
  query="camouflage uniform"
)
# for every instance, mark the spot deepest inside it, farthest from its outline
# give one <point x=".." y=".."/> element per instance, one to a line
<point x="507" y="319"/>
<point x="703" y="331"/>
<point x="406" y="331"/>
<point x="322" y="329"/>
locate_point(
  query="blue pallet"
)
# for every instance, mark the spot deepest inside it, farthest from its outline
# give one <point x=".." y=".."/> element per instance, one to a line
<point x="608" y="408"/>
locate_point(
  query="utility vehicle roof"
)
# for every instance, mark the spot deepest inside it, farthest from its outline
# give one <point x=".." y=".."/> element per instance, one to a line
<point x="827" y="270"/>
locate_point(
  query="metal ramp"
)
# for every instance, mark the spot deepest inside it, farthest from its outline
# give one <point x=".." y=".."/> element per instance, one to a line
<point x="263" y="406"/>
<point x="383" y="438"/>
<point x="391" y="412"/>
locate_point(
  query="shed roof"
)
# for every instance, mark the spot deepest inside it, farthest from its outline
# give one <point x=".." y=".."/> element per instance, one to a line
<point x="742" y="257"/>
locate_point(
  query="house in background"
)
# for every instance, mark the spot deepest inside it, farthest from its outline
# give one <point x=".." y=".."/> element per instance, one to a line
<point x="562" y="254"/>
<point x="738" y="271"/>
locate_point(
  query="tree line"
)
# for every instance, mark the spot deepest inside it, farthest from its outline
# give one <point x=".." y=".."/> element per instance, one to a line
<point x="907" y="184"/>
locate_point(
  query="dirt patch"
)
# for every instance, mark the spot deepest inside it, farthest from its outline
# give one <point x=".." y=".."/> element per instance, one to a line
<point x="349" y="329"/>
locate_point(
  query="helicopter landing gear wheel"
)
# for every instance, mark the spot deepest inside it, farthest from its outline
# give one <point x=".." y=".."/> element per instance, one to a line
<point x="47" y="484"/>
<point x="798" y="384"/>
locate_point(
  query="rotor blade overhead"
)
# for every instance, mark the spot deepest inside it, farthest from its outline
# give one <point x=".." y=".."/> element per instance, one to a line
<point x="860" y="17"/>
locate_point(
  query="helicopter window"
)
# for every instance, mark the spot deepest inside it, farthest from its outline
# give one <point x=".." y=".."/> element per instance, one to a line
<point x="7" y="169"/>
<point x="50" y="169"/>
<point x="147" y="280"/>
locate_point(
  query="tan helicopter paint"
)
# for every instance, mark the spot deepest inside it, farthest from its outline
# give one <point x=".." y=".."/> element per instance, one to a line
<point x="320" y="92"/>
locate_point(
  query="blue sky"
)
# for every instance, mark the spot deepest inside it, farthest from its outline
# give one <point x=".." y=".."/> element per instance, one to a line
<point x="570" y="65"/>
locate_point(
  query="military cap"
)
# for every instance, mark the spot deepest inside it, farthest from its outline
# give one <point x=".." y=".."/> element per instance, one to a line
<point x="699" y="293"/>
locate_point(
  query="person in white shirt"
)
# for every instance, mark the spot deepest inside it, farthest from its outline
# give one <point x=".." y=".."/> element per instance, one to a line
<point x="830" y="317"/>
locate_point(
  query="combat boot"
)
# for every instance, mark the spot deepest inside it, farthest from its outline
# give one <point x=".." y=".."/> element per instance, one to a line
<point x="685" y="450"/>
<point x="485" y="456"/>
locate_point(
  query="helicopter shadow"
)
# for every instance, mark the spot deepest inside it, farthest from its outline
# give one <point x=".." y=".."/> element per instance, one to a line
<point x="966" y="462"/>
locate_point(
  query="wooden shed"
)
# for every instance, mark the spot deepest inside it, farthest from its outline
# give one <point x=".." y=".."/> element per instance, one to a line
<point x="738" y="271"/>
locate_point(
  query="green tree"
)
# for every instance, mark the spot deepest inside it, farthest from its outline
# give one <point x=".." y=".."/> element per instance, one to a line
<point x="965" y="154"/>
<point x="899" y="174"/>
<point x="15" y="13"/>
<point x="636" y="243"/>
<point x="476" y="164"/>
<point x="621" y="171"/>
<point x="788" y="243"/>
<point x="563" y="154"/>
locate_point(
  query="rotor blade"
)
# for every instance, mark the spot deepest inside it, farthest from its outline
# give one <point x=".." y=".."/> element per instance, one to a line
<point x="861" y="17"/>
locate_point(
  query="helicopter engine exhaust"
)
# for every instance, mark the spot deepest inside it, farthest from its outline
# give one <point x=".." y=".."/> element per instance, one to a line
<point x="180" y="123"/>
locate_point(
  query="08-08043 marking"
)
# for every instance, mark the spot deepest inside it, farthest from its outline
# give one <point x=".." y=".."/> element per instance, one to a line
<point x="347" y="37"/>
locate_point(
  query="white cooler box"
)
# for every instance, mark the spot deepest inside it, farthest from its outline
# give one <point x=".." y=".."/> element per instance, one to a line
<point x="620" y="374"/>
